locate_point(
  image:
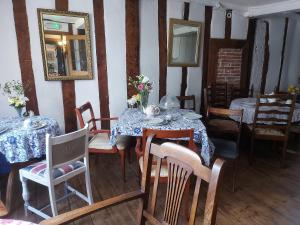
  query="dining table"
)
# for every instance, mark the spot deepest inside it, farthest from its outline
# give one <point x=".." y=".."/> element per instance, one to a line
<point x="23" y="140"/>
<point x="132" y="122"/>
<point x="249" y="105"/>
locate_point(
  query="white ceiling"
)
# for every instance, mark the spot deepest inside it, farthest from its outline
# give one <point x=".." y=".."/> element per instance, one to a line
<point x="251" y="3"/>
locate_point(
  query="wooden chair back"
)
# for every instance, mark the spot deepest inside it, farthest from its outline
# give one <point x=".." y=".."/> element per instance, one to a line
<point x="66" y="148"/>
<point x="168" y="134"/>
<point x="190" y="98"/>
<point x="219" y="94"/>
<point x="182" y="163"/>
<point x="87" y="107"/>
<point x="236" y="114"/>
<point x="274" y="115"/>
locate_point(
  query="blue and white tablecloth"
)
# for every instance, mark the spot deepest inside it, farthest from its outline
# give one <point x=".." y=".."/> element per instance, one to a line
<point x="132" y="122"/>
<point x="20" y="144"/>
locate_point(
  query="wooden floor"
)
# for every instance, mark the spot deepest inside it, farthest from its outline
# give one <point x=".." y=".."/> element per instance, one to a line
<point x="265" y="194"/>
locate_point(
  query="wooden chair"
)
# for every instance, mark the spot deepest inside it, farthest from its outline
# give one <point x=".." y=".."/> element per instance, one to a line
<point x="238" y="93"/>
<point x="66" y="157"/>
<point x="161" y="136"/>
<point x="272" y="121"/>
<point x="182" y="163"/>
<point x="217" y="122"/>
<point x="227" y="147"/>
<point x="219" y="95"/>
<point x="99" y="143"/>
<point x="189" y="98"/>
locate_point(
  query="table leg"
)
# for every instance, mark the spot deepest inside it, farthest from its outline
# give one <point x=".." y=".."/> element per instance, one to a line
<point x="9" y="188"/>
<point x="138" y="145"/>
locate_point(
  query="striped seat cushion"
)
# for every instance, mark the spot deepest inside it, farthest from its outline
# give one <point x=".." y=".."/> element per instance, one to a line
<point x="39" y="168"/>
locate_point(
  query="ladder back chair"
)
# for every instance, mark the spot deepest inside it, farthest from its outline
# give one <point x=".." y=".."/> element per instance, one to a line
<point x="219" y="94"/>
<point x="272" y="121"/>
<point x="225" y="139"/>
<point x="66" y="157"/>
<point x="182" y="164"/>
<point x="99" y="143"/>
<point x="187" y="99"/>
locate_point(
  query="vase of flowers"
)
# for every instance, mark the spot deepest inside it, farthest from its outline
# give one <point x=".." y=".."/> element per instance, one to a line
<point x="143" y="87"/>
<point x="293" y="89"/>
<point x="15" y="93"/>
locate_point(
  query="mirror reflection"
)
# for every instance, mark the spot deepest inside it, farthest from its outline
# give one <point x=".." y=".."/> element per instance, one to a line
<point x="66" y="49"/>
<point x="184" y="43"/>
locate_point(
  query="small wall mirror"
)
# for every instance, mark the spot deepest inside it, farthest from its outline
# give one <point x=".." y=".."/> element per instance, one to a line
<point x="184" y="43"/>
<point x="65" y="43"/>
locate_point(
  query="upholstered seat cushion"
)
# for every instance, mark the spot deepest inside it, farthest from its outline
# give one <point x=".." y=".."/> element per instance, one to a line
<point x="101" y="141"/>
<point x="39" y="169"/>
<point x="163" y="169"/>
<point x="223" y="125"/>
<point x="267" y="131"/>
<point x="225" y="148"/>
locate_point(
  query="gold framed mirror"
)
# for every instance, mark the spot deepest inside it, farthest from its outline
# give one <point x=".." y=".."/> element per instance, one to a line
<point x="184" y="43"/>
<point x="65" y="44"/>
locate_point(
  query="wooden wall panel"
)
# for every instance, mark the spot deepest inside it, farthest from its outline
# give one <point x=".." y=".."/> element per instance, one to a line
<point x="207" y="26"/>
<point x="132" y="41"/>
<point x="101" y="61"/>
<point x="183" y="87"/>
<point x="162" y="39"/>
<point x="24" y="50"/>
<point x="228" y="24"/>
<point x="68" y="87"/>
<point x="266" y="60"/>
<point x="250" y="40"/>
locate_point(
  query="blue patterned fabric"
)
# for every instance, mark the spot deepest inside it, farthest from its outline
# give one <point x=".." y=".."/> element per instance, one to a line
<point x="19" y="144"/>
<point x="39" y="168"/>
<point x="132" y="122"/>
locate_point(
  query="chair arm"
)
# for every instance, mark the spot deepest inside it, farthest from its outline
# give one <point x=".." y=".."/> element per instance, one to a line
<point x="94" y="132"/>
<point x="76" y="214"/>
<point x="106" y="119"/>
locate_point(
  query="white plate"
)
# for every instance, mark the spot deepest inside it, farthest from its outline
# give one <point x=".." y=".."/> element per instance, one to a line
<point x="192" y="116"/>
<point x="38" y="126"/>
<point x="155" y="121"/>
<point x="3" y="129"/>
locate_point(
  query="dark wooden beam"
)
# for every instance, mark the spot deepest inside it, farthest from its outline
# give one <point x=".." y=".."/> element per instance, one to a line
<point x="68" y="87"/>
<point x="266" y="60"/>
<point x="250" y="41"/>
<point x="24" y="50"/>
<point x="162" y="39"/>
<point x="132" y="42"/>
<point x="101" y="62"/>
<point x="228" y="18"/>
<point x="184" y="68"/>
<point x="282" y="52"/>
<point x="207" y="26"/>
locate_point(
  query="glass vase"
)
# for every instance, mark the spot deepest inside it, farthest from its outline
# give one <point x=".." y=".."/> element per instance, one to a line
<point x="19" y="111"/>
<point x="144" y="101"/>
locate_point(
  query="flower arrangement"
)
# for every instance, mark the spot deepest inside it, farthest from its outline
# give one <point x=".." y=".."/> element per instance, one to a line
<point x="293" y="89"/>
<point x="143" y="87"/>
<point x="15" y="92"/>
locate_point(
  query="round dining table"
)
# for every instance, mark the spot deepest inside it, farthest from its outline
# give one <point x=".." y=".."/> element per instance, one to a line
<point x="21" y="141"/>
<point x="132" y="121"/>
<point x="249" y="105"/>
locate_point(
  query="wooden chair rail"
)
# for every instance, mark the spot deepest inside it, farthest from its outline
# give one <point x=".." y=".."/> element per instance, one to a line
<point x="69" y="217"/>
<point x="272" y="119"/>
<point x="272" y="112"/>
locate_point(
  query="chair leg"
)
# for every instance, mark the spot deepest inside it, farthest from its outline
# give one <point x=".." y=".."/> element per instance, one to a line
<point x="251" y="151"/>
<point x="25" y="194"/>
<point x="52" y="200"/>
<point x="88" y="186"/>
<point x="235" y="166"/>
<point x="122" y="159"/>
<point x="283" y="155"/>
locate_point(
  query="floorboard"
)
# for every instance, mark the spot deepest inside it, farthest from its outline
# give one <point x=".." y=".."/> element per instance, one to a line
<point x="265" y="195"/>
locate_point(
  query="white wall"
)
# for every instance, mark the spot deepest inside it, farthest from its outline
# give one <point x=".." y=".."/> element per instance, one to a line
<point x="49" y="93"/>
<point x="291" y="69"/>
<point x="9" y="59"/>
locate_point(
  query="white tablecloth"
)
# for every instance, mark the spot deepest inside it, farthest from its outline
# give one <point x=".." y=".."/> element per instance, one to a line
<point x="248" y="104"/>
